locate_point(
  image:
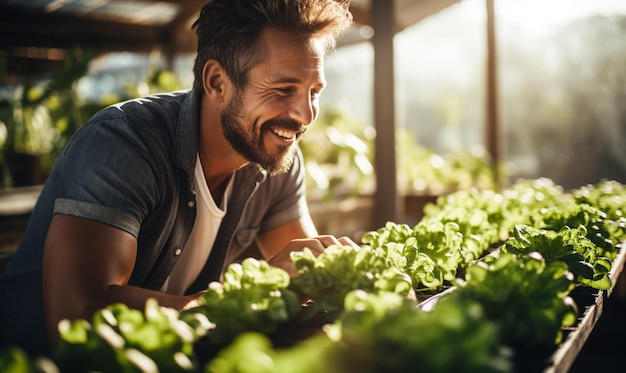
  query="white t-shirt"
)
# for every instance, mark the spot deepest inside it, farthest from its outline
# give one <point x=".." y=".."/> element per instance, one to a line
<point x="196" y="252"/>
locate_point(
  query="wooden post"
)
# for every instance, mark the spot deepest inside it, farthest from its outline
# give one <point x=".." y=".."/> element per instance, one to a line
<point x="492" y="127"/>
<point x="386" y="198"/>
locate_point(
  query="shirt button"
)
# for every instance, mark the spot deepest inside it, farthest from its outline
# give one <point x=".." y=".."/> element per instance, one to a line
<point x="191" y="203"/>
<point x="178" y="251"/>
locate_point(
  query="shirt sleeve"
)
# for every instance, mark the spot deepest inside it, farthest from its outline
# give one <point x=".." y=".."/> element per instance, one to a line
<point x="107" y="173"/>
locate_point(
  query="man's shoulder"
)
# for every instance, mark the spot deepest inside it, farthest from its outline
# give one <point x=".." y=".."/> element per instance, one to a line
<point x="159" y="106"/>
<point x="159" y="112"/>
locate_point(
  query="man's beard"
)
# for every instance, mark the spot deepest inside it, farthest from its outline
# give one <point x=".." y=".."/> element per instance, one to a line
<point x="247" y="142"/>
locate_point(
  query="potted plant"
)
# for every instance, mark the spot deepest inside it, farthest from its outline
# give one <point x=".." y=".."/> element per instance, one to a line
<point x="40" y="118"/>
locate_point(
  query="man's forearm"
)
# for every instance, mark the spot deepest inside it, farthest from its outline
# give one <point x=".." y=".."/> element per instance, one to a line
<point x="131" y="296"/>
<point x="136" y="297"/>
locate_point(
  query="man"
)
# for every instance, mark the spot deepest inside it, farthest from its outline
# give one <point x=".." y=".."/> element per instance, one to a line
<point x="152" y="198"/>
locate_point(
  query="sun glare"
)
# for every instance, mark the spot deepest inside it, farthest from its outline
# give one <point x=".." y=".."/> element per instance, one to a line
<point x="540" y="16"/>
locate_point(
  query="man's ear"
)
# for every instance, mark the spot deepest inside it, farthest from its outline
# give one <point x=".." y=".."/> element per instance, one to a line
<point x="214" y="80"/>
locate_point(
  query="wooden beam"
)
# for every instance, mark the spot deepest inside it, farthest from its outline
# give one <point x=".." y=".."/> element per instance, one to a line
<point x="25" y="28"/>
<point x="406" y="12"/>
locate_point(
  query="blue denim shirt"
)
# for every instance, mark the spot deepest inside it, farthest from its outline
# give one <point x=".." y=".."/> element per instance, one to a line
<point x="131" y="166"/>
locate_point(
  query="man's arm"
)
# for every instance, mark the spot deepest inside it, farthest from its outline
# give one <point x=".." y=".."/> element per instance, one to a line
<point x="86" y="266"/>
<point x="277" y="244"/>
<point x="272" y="241"/>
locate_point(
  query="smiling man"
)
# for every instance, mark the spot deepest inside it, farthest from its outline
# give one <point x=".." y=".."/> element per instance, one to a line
<point x="154" y="197"/>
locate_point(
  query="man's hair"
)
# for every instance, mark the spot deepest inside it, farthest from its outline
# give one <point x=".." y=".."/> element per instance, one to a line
<point x="229" y="30"/>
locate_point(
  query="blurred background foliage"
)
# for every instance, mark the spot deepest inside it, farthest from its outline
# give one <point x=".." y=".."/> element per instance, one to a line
<point x="338" y="149"/>
<point x="421" y="171"/>
<point x="338" y="152"/>
<point x="38" y="118"/>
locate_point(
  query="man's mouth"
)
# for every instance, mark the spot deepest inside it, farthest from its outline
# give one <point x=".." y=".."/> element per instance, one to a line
<point x="285" y="134"/>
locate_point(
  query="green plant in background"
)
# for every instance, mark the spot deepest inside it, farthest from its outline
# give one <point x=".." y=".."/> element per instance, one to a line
<point x="338" y="152"/>
<point x="158" y="80"/>
<point x="41" y="117"/>
<point x="67" y="109"/>
<point x="424" y="172"/>
<point x="28" y="126"/>
<point x="338" y="149"/>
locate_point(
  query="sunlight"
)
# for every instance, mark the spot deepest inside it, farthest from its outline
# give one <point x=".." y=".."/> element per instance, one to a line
<point x="540" y="16"/>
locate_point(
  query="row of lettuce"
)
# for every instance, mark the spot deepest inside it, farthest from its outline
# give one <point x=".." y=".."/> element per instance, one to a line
<point x="501" y="266"/>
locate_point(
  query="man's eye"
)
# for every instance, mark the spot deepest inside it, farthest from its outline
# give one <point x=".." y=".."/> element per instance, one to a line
<point x="315" y="93"/>
<point x="284" y="91"/>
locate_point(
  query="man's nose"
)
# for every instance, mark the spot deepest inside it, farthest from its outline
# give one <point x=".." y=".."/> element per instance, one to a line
<point x="303" y="109"/>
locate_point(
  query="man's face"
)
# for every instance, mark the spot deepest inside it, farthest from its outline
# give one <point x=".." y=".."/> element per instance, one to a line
<point x="264" y="121"/>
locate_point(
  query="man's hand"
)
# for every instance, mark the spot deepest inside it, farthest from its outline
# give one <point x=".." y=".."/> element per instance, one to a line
<point x="282" y="258"/>
<point x="194" y="300"/>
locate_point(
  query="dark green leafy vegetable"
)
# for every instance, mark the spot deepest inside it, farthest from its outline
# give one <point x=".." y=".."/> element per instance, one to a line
<point x="386" y="333"/>
<point x="253" y="352"/>
<point x="429" y="253"/>
<point x="570" y="246"/>
<point x="541" y="243"/>
<point x="120" y="339"/>
<point x="577" y="215"/>
<point x="609" y="197"/>
<point x="254" y="296"/>
<point x="15" y="360"/>
<point x="331" y="275"/>
<point x="526" y="296"/>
